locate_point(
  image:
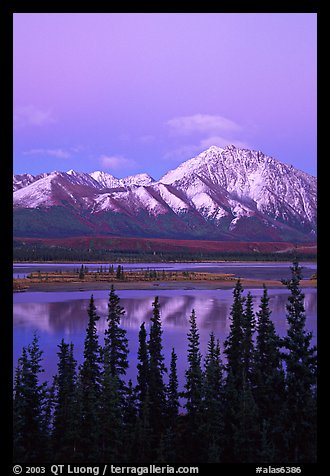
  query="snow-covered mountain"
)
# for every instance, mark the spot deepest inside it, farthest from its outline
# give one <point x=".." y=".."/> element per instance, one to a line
<point x="225" y="193"/>
<point x="246" y="182"/>
<point x="23" y="180"/>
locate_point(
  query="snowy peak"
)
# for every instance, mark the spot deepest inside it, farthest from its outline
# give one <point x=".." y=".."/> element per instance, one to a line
<point x="105" y="180"/>
<point x="217" y="161"/>
<point x="138" y="179"/>
<point x="250" y="176"/>
<point x="36" y="193"/>
<point x="22" y="180"/>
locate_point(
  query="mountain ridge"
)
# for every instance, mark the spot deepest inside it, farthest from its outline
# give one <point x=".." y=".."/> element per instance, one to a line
<point x="223" y="193"/>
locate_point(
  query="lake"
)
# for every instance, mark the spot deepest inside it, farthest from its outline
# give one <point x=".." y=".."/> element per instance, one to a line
<point x="64" y="314"/>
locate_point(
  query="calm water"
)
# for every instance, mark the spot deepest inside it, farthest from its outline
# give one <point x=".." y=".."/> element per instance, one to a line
<point x="257" y="270"/>
<point x="63" y="314"/>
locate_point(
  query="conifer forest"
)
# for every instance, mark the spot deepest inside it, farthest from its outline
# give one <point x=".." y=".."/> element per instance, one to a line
<point x="249" y="399"/>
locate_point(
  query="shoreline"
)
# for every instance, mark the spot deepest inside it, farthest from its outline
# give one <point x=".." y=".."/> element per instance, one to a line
<point x="155" y="285"/>
<point x="123" y="261"/>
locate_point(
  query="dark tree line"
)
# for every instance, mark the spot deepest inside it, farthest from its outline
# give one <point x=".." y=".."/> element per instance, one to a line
<point x="257" y="403"/>
<point x="39" y="252"/>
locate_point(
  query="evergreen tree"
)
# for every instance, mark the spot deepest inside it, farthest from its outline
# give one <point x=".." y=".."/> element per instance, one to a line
<point x="115" y="342"/>
<point x="20" y="409"/>
<point x="172" y="392"/>
<point x="82" y="272"/>
<point x="234" y="341"/>
<point x="300" y="359"/>
<point x="113" y="388"/>
<point x="144" y="439"/>
<point x="167" y="448"/>
<point x="248" y="327"/>
<point x="120" y="272"/>
<point x="194" y="395"/>
<point x="65" y="405"/>
<point x="194" y="375"/>
<point x="30" y="400"/>
<point x="240" y="414"/>
<point x="157" y="388"/>
<point x="213" y="401"/>
<point x="142" y="367"/>
<point x="89" y="389"/>
<point x="143" y="443"/>
<point x="168" y="443"/>
<point x="241" y="429"/>
<point x="130" y="416"/>
<point x="111" y="417"/>
<point x="246" y="434"/>
<point x="268" y="383"/>
<point x="47" y="426"/>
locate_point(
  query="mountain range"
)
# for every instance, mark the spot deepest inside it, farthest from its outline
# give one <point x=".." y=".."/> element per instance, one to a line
<point x="221" y="194"/>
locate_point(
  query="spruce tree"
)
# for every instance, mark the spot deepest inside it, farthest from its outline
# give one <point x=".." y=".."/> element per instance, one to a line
<point x="142" y="367"/>
<point x="115" y="341"/>
<point x="246" y="434"/>
<point x="30" y="400"/>
<point x="194" y="375"/>
<point x="89" y="389"/>
<point x="113" y="388"/>
<point x="234" y="342"/>
<point x="268" y="383"/>
<point x="300" y="359"/>
<point x="248" y="327"/>
<point x="130" y="416"/>
<point x="82" y="272"/>
<point x="213" y="401"/>
<point x="143" y="443"/>
<point x="65" y="405"/>
<point x="157" y="388"/>
<point x="111" y="418"/>
<point x="120" y="272"/>
<point x="194" y="394"/>
<point x="240" y="414"/>
<point x="20" y="410"/>
<point x="47" y="427"/>
<point x="172" y="392"/>
<point x="167" y="450"/>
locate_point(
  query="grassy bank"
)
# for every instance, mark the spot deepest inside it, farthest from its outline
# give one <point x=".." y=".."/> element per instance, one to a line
<point x="76" y="281"/>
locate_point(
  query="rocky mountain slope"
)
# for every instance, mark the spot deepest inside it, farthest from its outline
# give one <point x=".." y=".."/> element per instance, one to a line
<point x="226" y="194"/>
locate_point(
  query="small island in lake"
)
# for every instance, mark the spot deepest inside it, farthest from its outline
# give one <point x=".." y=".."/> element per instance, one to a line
<point x="83" y="279"/>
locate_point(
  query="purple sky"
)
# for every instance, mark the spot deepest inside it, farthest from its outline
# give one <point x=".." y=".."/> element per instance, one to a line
<point x="129" y="93"/>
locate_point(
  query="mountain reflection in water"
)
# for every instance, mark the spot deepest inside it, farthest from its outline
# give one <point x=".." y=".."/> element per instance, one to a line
<point x="57" y="315"/>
